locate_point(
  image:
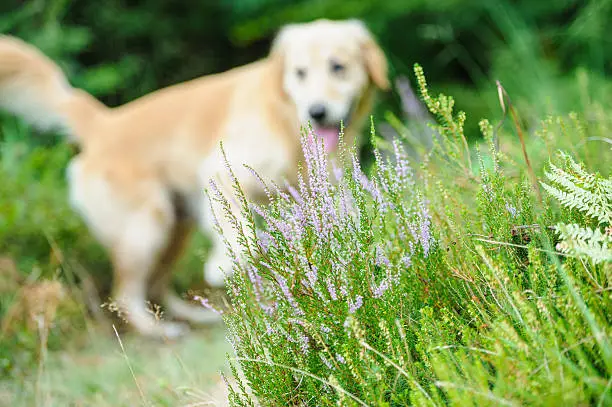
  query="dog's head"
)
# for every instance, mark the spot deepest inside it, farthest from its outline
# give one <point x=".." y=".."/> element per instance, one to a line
<point x="328" y="68"/>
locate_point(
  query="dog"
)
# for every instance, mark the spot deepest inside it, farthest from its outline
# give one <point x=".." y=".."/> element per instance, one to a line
<point x="138" y="180"/>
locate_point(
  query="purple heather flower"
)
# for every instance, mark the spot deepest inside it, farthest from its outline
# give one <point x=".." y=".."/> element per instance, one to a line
<point x="255" y="279"/>
<point x="296" y="321"/>
<point x="305" y="344"/>
<point x="354" y="306"/>
<point x="425" y="228"/>
<point x="406" y="260"/>
<point x="282" y="282"/>
<point x="264" y="239"/>
<point x="269" y="329"/>
<point x="346" y="203"/>
<point x="228" y="169"/>
<point x="273" y="223"/>
<point x="261" y="182"/>
<point x="337" y="171"/>
<point x="376" y="193"/>
<point x="311" y="273"/>
<point x="380" y="289"/>
<point x="511" y="209"/>
<point x="217" y="196"/>
<point x="340" y="358"/>
<point x="381" y="258"/>
<point x="332" y="290"/>
<point x="294" y="193"/>
<point x="489" y="191"/>
<point x="412" y="227"/>
<point x="280" y="192"/>
<point x="206" y="304"/>
<point x="297" y="213"/>
<point x="269" y="309"/>
<point x="326" y="362"/>
<point x="402" y="167"/>
<point x="320" y="295"/>
<point x="358" y="174"/>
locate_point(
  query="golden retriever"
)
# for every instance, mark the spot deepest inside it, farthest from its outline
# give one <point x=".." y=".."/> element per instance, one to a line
<point x="138" y="181"/>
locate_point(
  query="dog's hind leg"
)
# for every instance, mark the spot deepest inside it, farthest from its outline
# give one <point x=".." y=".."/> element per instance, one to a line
<point x="160" y="285"/>
<point x="133" y="218"/>
<point x="135" y="259"/>
<point x="160" y="280"/>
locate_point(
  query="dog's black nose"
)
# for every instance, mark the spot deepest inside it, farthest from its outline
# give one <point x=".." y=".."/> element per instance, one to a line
<point x="317" y="112"/>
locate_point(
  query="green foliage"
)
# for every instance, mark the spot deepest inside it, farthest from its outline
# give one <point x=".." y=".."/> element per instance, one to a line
<point x="584" y="241"/>
<point x="437" y="287"/>
<point x="33" y="202"/>
<point x="577" y="189"/>
<point x="591" y="196"/>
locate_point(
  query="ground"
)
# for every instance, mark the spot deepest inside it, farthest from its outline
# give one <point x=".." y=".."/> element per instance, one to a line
<point x="95" y="371"/>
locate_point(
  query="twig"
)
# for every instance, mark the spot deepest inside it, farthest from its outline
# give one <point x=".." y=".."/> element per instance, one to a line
<point x="534" y="226"/>
<point x="465" y="347"/>
<point x="522" y="246"/>
<point x="43" y="334"/>
<point x="503" y="96"/>
<point x="127" y="360"/>
<point x="603" y="394"/>
<point x="70" y="272"/>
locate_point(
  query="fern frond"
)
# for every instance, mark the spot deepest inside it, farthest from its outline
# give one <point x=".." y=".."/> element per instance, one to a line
<point x="581" y="175"/>
<point x="591" y="194"/>
<point x="576" y="188"/>
<point x="584" y="241"/>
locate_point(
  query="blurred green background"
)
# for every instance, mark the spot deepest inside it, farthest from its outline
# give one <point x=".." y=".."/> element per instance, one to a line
<point x="552" y="57"/>
<point x="119" y="50"/>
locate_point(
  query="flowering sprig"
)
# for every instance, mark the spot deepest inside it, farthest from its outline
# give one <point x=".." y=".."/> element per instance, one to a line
<point x="320" y="255"/>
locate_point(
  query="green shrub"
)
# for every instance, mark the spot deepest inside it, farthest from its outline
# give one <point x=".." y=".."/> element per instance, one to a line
<point x="433" y="287"/>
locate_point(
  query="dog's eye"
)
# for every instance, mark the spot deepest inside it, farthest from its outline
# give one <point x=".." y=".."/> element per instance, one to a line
<point x="301" y="73"/>
<point x="337" y="67"/>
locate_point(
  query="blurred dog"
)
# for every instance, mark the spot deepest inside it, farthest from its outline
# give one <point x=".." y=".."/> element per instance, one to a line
<point x="138" y="180"/>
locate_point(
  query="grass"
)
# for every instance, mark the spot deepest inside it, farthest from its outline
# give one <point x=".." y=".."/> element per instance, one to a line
<point x="93" y="371"/>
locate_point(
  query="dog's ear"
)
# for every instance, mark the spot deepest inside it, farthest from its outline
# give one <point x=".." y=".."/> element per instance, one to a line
<point x="277" y="54"/>
<point x="373" y="55"/>
<point x="281" y="39"/>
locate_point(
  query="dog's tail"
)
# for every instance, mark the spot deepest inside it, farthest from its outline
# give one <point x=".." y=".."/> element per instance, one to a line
<point x="34" y="88"/>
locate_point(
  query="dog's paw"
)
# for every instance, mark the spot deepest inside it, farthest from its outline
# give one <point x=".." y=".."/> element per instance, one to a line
<point x="215" y="279"/>
<point x="173" y="330"/>
<point x="216" y="269"/>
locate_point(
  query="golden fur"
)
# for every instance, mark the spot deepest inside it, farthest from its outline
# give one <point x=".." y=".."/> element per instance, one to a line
<point x="138" y="180"/>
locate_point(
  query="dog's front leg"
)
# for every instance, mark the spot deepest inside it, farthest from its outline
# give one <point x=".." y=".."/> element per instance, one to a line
<point x="221" y="213"/>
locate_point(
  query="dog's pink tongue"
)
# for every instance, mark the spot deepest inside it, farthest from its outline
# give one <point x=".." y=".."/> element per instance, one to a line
<point x="330" y="137"/>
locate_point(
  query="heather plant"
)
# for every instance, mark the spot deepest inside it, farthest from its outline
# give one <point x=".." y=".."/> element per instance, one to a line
<point x="424" y="285"/>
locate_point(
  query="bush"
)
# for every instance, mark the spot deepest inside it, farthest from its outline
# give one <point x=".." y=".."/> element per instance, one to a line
<point x="438" y="286"/>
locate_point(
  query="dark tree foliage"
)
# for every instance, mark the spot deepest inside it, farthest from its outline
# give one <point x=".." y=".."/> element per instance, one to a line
<point x="120" y="50"/>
